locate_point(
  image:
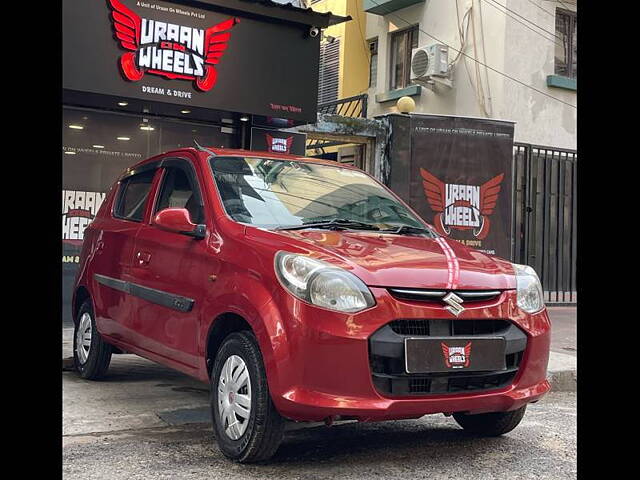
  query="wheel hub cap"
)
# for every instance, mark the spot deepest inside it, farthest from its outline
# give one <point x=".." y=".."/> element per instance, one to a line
<point x="234" y="397"/>
<point x="83" y="338"/>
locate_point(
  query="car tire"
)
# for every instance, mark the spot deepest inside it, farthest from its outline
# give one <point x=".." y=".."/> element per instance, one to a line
<point x="244" y="437"/>
<point x="490" y="424"/>
<point x="91" y="354"/>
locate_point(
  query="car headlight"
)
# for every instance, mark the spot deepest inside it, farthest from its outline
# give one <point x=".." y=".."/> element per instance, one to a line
<point x="530" y="298"/>
<point x="322" y="284"/>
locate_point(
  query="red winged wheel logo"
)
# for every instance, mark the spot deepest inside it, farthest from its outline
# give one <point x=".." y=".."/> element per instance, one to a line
<point x="456" y="357"/>
<point x="461" y="207"/>
<point x="278" y="145"/>
<point x="192" y="55"/>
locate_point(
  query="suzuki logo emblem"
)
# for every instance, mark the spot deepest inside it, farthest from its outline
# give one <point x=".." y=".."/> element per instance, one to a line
<point x="454" y="302"/>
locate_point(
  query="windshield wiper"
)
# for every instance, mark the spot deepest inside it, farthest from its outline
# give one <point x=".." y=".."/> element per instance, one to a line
<point x="335" y="224"/>
<point x="402" y="229"/>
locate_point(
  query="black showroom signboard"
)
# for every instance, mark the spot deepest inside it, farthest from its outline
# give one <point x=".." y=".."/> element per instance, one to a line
<point x="277" y="141"/>
<point x="459" y="178"/>
<point x="173" y="53"/>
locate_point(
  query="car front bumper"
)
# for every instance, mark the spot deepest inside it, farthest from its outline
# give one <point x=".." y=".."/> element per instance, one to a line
<point x="325" y="369"/>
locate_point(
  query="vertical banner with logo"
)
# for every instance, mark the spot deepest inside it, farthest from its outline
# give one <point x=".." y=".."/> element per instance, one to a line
<point x="277" y="141"/>
<point x="461" y="179"/>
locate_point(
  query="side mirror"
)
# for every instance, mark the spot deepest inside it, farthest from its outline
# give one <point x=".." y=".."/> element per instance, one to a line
<point x="178" y="220"/>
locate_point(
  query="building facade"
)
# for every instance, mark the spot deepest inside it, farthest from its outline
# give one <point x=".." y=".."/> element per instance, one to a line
<point x="344" y="55"/>
<point x="142" y="78"/>
<point x="490" y="62"/>
<point x="343" y="72"/>
<point x="507" y="59"/>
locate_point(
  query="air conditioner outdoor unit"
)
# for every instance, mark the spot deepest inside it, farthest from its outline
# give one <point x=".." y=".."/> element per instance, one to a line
<point x="428" y="62"/>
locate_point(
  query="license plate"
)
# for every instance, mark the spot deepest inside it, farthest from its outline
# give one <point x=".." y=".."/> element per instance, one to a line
<point x="448" y="354"/>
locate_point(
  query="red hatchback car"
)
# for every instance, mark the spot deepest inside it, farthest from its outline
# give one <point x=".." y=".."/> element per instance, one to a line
<point x="303" y="290"/>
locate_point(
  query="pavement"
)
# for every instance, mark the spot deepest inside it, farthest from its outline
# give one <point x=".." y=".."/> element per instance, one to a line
<point x="147" y="421"/>
<point x="562" y="370"/>
<point x="564" y="323"/>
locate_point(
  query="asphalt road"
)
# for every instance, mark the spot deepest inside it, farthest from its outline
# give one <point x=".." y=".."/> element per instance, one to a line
<point x="543" y="446"/>
<point x="145" y="421"/>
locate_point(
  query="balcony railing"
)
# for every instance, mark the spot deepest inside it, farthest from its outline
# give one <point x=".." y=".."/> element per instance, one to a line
<point x="355" y="106"/>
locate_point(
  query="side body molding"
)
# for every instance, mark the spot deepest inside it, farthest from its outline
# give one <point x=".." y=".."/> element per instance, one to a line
<point x="166" y="299"/>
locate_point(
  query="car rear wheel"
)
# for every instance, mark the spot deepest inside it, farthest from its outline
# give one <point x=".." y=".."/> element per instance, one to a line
<point x="490" y="424"/>
<point x="91" y="354"/>
<point x="247" y="426"/>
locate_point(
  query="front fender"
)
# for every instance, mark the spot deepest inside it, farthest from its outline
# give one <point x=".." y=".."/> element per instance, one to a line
<point x="260" y="311"/>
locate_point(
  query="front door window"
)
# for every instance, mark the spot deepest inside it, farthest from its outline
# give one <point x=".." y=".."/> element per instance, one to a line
<point x="177" y="191"/>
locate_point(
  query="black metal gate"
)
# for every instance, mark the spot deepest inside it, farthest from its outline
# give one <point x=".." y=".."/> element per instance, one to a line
<point x="545" y="217"/>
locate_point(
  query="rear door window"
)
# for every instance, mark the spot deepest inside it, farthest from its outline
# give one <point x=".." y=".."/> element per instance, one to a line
<point x="132" y="196"/>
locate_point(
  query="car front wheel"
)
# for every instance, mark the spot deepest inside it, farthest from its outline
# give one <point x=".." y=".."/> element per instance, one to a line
<point x="490" y="424"/>
<point x="91" y="354"/>
<point x="247" y="426"/>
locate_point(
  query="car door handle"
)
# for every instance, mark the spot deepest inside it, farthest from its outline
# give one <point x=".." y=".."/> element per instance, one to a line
<point x="143" y="258"/>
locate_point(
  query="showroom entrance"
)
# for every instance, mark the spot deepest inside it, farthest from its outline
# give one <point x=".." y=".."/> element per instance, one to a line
<point x="97" y="146"/>
<point x="126" y="99"/>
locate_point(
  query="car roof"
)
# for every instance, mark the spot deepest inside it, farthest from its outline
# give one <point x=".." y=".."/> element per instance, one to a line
<point x="232" y="152"/>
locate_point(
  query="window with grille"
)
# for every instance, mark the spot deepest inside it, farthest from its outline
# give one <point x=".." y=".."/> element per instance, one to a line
<point x="329" y="71"/>
<point x="373" y="62"/>
<point x="566" y="51"/>
<point x="402" y="43"/>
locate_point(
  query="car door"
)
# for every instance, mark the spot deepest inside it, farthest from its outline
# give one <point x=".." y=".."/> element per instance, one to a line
<point x="170" y="270"/>
<point x="115" y="235"/>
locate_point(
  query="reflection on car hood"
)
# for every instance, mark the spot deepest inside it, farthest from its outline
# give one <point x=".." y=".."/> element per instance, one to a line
<point x="388" y="260"/>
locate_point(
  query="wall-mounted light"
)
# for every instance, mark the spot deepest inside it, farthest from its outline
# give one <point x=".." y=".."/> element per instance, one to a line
<point x="68" y="152"/>
<point x="146" y="127"/>
<point x="97" y="146"/>
<point x="123" y="138"/>
<point x="406" y="105"/>
<point x="244" y="118"/>
<point x="185" y="111"/>
<point x="123" y="104"/>
<point x="76" y="127"/>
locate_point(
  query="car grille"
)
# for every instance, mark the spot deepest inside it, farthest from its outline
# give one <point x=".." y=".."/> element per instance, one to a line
<point x="387" y="358"/>
<point x="435" y="296"/>
<point x="462" y="384"/>
<point x="451" y="327"/>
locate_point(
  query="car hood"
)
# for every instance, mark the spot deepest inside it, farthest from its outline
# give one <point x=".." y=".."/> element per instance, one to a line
<point x="388" y="260"/>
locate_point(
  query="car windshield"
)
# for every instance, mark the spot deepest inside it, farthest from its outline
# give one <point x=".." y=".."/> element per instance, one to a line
<point x="287" y="194"/>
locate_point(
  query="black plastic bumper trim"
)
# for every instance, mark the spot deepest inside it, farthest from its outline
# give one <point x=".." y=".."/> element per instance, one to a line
<point x="387" y="363"/>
